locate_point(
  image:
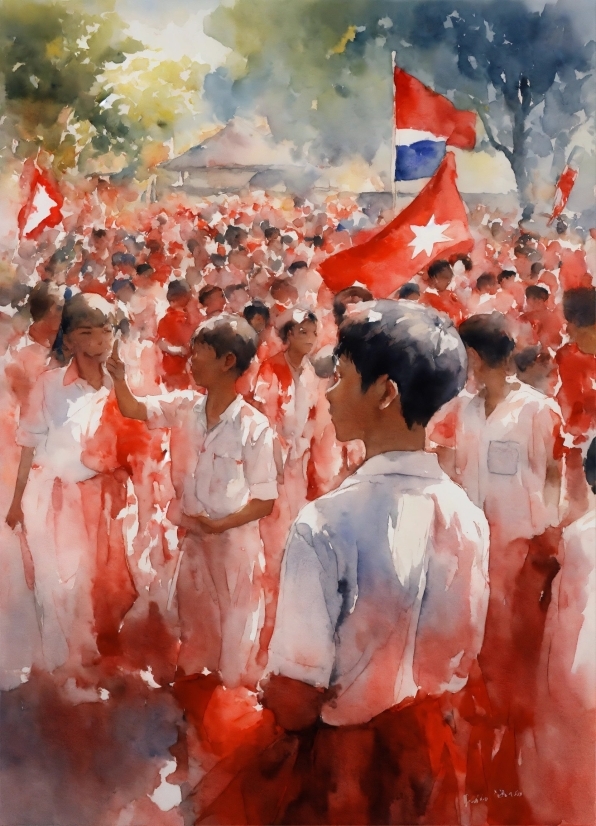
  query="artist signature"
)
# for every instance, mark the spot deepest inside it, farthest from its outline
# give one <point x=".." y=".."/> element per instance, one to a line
<point x="498" y="793"/>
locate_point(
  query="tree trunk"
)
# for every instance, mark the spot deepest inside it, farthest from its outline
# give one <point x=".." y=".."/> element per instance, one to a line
<point x="519" y="108"/>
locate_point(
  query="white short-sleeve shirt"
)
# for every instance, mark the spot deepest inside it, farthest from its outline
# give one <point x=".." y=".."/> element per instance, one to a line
<point x="63" y="412"/>
<point x="216" y="472"/>
<point x="501" y="460"/>
<point x="384" y="588"/>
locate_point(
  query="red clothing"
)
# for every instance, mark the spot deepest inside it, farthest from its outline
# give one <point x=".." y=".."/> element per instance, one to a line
<point x="577" y="396"/>
<point x="447" y="303"/>
<point x="176" y="329"/>
<point x="546" y="326"/>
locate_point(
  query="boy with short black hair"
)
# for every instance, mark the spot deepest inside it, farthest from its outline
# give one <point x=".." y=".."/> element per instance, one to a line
<point x="438" y="294"/>
<point x="384" y="582"/>
<point x="212" y="299"/>
<point x="174" y="332"/>
<point x="224" y="477"/>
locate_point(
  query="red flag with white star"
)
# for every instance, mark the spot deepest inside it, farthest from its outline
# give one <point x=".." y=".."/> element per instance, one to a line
<point x="42" y="208"/>
<point x="434" y="225"/>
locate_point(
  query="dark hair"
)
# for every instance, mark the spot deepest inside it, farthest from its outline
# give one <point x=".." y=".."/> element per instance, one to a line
<point x="228" y="333"/>
<point x="412" y="344"/>
<point x="527" y="357"/>
<point x="341" y="299"/>
<point x="536" y="268"/>
<point x="579" y="306"/>
<point x="317" y="241"/>
<point x="79" y="311"/>
<point x="297" y="265"/>
<point x="590" y="465"/>
<point x="205" y="292"/>
<point x="489" y="336"/>
<point x="42" y="298"/>
<point x="256" y="308"/>
<point x="177" y="289"/>
<point x="538" y="292"/>
<point x="285" y="330"/>
<point x="191" y="245"/>
<point x="144" y="269"/>
<point x="217" y="260"/>
<point x="505" y="274"/>
<point x="271" y="232"/>
<point x="99" y="233"/>
<point x="119" y="284"/>
<point x="465" y="259"/>
<point x="408" y="289"/>
<point x="438" y="266"/>
<point x="485" y="280"/>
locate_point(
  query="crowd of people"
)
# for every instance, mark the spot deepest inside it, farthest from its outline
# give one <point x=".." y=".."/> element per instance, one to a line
<point x="370" y="522"/>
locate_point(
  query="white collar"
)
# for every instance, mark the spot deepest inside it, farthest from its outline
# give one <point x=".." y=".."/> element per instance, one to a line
<point x="403" y="463"/>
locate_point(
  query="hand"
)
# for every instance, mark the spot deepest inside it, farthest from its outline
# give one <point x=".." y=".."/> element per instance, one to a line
<point x="115" y="366"/>
<point x="14" y="516"/>
<point x="207" y="525"/>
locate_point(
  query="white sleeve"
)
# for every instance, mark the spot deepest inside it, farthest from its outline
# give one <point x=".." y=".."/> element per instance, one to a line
<point x="162" y="411"/>
<point x="302" y="646"/>
<point x="259" y="464"/>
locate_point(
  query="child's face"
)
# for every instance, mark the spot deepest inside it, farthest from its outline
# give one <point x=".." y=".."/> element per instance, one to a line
<point x="94" y="342"/>
<point x="350" y="408"/>
<point x="302" y="338"/>
<point x="205" y="366"/>
<point x="258" y="323"/>
<point x="179" y="302"/>
<point x="215" y="303"/>
<point x="442" y="280"/>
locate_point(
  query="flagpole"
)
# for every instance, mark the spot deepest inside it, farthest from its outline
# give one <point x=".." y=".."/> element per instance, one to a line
<point x="393" y="138"/>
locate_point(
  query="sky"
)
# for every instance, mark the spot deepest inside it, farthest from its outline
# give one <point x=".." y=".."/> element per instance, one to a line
<point x="177" y="32"/>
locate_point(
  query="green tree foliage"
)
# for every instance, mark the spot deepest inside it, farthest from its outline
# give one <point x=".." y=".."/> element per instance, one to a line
<point x="51" y="55"/>
<point x="76" y="86"/>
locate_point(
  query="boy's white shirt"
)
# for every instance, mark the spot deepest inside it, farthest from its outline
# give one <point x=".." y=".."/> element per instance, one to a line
<point x="215" y="472"/>
<point x="384" y="588"/>
<point x="501" y="461"/>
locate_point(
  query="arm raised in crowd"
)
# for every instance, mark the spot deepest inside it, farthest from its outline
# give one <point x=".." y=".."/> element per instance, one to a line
<point x="130" y="406"/>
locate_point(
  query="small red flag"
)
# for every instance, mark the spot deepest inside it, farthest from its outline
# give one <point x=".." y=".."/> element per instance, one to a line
<point x="563" y="191"/>
<point x="43" y="207"/>
<point x="434" y="225"/>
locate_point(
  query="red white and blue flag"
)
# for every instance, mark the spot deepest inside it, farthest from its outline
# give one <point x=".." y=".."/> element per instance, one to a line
<point x="425" y="124"/>
<point x="434" y="225"/>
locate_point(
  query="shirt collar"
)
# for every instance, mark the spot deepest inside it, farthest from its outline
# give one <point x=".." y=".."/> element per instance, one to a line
<point x="229" y="414"/>
<point x="403" y="463"/>
<point x="71" y="376"/>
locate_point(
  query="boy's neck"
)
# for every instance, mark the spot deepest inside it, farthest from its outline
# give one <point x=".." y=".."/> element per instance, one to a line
<point x="295" y="360"/>
<point x="392" y="434"/>
<point x="219" y="398"/>
<point x="497" y="388"/>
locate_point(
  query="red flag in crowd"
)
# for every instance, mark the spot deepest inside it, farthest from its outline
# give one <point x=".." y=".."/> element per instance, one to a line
<point x="434" y="225"/>
<point x="563" y="191"/>
<point x="419" y="108"/>
<point x="42" y="208"/>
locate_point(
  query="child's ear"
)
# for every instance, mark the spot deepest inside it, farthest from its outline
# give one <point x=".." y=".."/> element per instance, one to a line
<point x="390" y="393"/>
<point x="229" y="361"/>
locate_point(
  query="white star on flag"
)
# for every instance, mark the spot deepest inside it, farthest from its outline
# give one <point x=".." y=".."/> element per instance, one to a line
<point x="426" y="237"/>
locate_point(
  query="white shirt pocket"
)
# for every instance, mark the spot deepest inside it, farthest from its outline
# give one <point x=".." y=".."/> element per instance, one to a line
<point x="503" y="458"/>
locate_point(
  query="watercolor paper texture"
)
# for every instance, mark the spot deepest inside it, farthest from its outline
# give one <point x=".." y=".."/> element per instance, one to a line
<point x="297" y="412"/>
